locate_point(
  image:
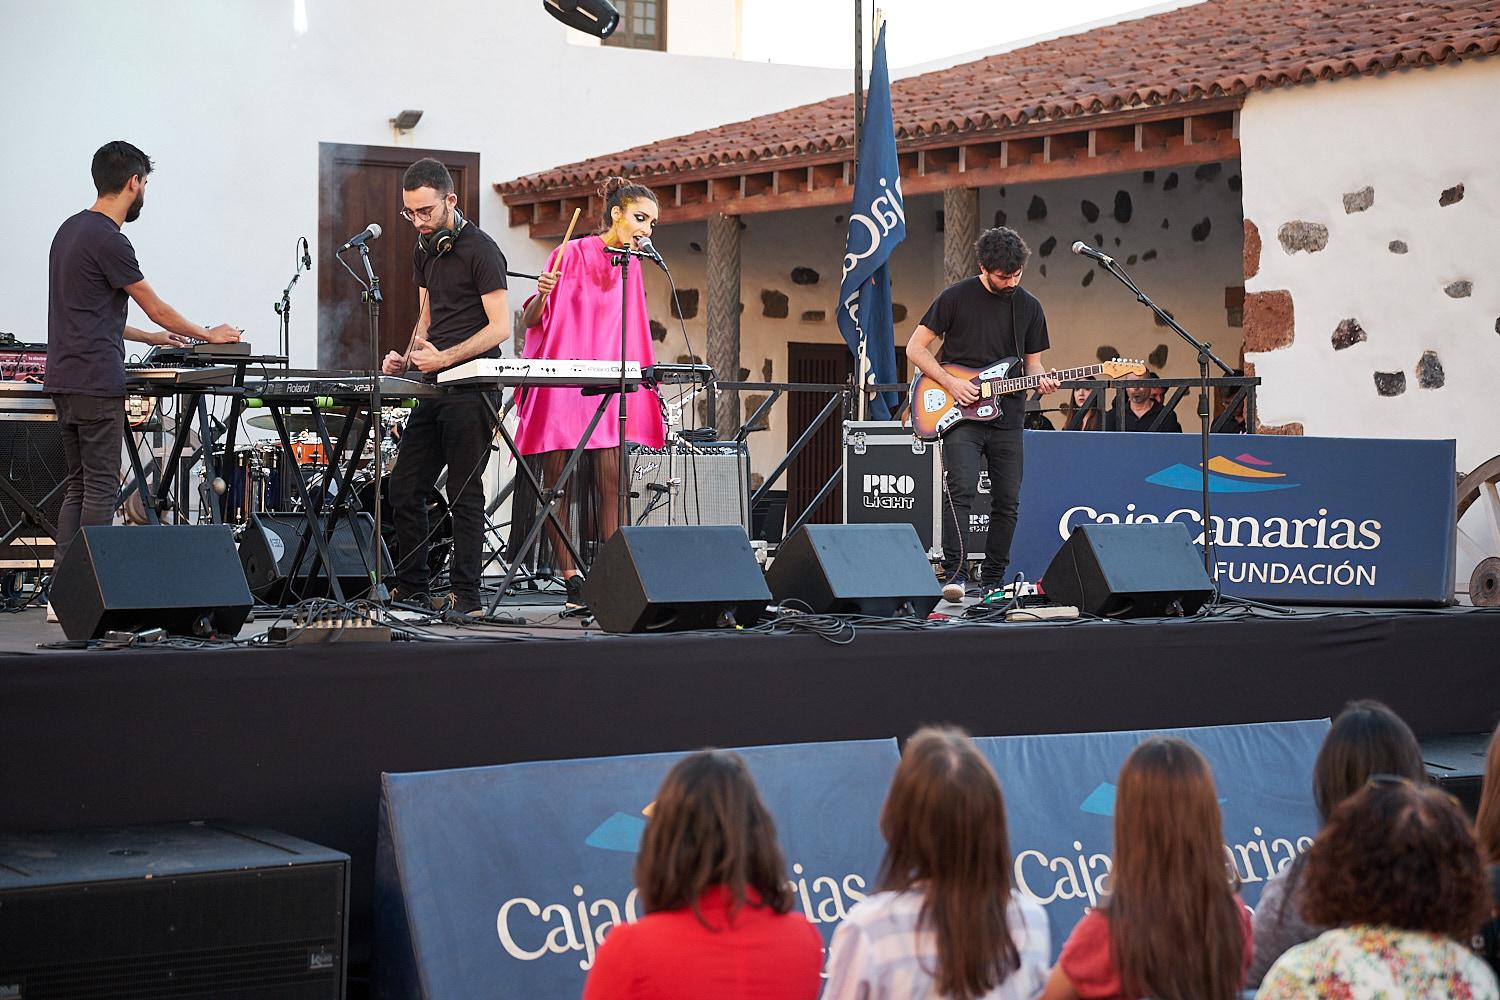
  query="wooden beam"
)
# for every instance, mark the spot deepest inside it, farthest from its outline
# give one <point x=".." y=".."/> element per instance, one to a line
<point x="791" y="181"/>
<point x="1019" y="152"/>
<point x="1111" y="141"/>
<point x="692" y="192"/>
<point x="940" y="162"/>
<point x="1157" y="135"/>
<point x="978" y="156"/>
<point x="825" y="175"/>
<point x="1202" y="128"/>
<point x="523" y="215"/>
<point x="754" y="185"/>
<point x="1064" y="146"/>
<point x="723" y="188"/>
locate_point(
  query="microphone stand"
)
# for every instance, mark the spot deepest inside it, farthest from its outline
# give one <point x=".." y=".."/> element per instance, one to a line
<point x="372" y="298"/>
<point x="284" y="307"/>
<point x="1205" y="356"/>
<point x="620" y="257"/>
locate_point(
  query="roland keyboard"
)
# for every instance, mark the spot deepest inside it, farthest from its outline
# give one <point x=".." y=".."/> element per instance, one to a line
<point x="334" y="387"/>
<point x="500" y="372"/>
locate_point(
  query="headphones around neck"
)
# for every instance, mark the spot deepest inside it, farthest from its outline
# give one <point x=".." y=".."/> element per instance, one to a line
<point x="440" y="241"/>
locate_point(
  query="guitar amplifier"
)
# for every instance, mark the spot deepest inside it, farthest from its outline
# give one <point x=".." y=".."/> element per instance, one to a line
<point x="893" y="477"/>
<point x="706" y="483"/>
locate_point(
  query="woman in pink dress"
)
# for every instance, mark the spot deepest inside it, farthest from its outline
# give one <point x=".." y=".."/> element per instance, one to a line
<point x="576" y="315"/>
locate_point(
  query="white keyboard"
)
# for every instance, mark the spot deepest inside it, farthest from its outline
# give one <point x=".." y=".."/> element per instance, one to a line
<point x="536" y="371"/>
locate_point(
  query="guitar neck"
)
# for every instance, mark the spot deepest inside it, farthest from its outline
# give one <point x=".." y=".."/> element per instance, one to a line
<point x="1001" y="386"/>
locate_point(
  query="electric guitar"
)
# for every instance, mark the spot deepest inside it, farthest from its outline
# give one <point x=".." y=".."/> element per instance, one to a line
<point x="934" y="411"/>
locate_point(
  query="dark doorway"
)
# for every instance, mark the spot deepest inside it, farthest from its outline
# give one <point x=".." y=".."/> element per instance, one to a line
<point x="358" y="185"/>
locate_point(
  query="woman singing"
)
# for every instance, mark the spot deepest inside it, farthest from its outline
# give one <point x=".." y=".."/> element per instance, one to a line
<point x="576" y="315"/>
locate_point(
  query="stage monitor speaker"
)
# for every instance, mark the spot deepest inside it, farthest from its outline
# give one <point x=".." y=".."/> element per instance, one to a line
<point x="184" y="578"/>
<point x="858" y="569"/>
<point x="270" y="543"/>
<point x="1129" y="571"/>
<point x="674" y="577"/>
<point x="178" y="910"/>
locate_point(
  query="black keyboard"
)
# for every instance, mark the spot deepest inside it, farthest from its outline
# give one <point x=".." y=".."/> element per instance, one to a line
<point x="678" y="374"/>
<point x="344" y="387"/>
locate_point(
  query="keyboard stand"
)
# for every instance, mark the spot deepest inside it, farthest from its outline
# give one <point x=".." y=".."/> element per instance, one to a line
<point x="549" y="500"/>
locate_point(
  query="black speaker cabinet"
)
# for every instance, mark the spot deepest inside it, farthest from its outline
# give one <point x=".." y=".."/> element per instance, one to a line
<point x="1456" y="765"/>
<point x="1129" y="571"/>
<point x="179" y="910"/>
<point x="674" y="577"/>
<point x="184" y="578"/>
<point x="31" y="456"/>
<point x="269" y="544"/>
<point x="861" y="569"/>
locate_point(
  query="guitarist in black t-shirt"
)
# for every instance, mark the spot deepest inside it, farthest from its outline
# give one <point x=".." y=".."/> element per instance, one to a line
<point x="983" y="320"/>
<point x="460" y="275"/>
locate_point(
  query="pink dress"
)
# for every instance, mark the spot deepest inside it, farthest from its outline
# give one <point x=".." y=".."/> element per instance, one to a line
<point x="581" y="320"/>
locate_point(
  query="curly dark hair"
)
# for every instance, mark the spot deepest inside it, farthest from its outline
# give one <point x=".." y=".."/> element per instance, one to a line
<point x="1002" y="249"/>
<point x="1397" y="855"/>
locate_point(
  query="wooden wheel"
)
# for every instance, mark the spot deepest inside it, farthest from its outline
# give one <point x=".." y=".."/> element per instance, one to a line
<point x="1477" y="513"/>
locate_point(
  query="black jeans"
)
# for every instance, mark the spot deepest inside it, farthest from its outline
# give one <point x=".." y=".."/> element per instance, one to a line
<point x="963" y="447"/>
<point x="93" y="428"/>
<point x="452" y="431"/>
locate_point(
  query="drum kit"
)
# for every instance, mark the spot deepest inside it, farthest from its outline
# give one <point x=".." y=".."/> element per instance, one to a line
<point x="257" y="477"/>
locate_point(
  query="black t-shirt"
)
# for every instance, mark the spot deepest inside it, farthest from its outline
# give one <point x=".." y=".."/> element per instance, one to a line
<point x="1132" y="422"/>
<point x="90" y="264"/>
<point x="455" y="282"/>
<point x="979" y="328"/>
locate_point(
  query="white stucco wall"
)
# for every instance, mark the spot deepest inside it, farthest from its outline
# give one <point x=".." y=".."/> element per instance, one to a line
<point x="1409" y="135"/>
<point x="1186" y="276"/>
<point x="231" y="102"/>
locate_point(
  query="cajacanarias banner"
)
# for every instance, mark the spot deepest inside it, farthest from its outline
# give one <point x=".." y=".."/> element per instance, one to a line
<point x="1060" y="804"/>
<point x="502" y="881"/>
<point x="1299" y="519"/>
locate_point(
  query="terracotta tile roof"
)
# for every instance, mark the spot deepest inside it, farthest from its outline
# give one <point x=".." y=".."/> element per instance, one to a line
<point x="1214" y="49"/>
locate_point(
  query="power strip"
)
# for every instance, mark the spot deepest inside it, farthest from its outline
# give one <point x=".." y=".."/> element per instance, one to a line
<point x="1044" y="613"/>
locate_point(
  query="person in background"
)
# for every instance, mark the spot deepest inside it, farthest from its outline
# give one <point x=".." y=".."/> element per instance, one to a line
<point x="719" y="920"/>
<point x="1397" y="875"/>
<point x="1081" y="416"/>
<point x="1366" y="738"/>
<point x="1487" y="832"/>
<point x="1171" y="926"/>
<point x="945" y="921"/>
<point x="1141" y="411"/>
<point x="92" y="275"/>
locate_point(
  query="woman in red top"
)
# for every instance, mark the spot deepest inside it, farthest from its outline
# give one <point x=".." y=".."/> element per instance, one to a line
<point x="1172" y="927"/>
<point x="718" y="904"/>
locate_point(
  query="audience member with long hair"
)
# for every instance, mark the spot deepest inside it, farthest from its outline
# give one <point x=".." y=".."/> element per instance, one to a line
<point x="719" y="920"/>
<point x="1487" y="832"/>
<point x="1081" y="416"/>
<point x="1396" y="874"/>
<point x="1366" y="738"/>
<point x="945" y="921"/>
<point x="1171" y="926"/>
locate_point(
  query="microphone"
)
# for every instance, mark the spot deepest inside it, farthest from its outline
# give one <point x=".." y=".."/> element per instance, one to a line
<point x="1087" y="251"/>
<point x="371" y="232"/>
<point x="306" y="255"/>
<point x="645" y="246"/>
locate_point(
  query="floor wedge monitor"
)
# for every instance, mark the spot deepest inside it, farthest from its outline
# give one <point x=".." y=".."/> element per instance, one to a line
<point x="676" y="577"/>
<point x="1129" y="571"/>
<point x="860" y="569"/>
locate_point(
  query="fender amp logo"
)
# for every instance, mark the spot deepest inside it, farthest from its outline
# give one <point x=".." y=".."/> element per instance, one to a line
<point x="888" y="492"/>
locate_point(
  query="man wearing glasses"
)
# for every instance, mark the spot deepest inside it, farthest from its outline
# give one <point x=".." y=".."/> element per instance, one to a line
<point x="460" y="276"/>
<point x="92" y="276"/>
<point x="982" y="320"/>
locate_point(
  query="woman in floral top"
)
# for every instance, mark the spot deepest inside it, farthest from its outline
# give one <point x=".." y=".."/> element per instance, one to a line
<point x="1396" y="873"/>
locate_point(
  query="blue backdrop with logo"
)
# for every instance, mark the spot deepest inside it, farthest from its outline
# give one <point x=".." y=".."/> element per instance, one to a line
<point x="1338" y="520"/>
<point x="1060" y="797"/>
<point x="501" y="881"/>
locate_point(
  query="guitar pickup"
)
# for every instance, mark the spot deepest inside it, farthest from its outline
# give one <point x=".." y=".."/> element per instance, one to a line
<point x="984" y="390"/>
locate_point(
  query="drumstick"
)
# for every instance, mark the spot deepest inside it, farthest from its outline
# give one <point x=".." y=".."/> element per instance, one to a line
<point x="566" y="237"/>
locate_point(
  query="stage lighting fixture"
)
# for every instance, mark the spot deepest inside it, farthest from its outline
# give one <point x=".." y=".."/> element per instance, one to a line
<point x="592" y="17"/>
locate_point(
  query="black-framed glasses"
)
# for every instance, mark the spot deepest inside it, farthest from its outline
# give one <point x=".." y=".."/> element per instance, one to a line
<point x="421" y="214"/>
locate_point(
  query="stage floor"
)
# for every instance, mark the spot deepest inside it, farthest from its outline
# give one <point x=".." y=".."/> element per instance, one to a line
<point x="295" y="738"/>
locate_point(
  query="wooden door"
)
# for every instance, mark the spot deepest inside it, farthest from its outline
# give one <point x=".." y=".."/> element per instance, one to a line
<point x="815" y="363"/>
<point x="359" y="185"/>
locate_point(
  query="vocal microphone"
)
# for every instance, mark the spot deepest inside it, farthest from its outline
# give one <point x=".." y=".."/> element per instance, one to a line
<point x="645" y="246"/>
<point x="371" y="232"/>
<point x="1087" y="251"/>
<point x="306" y="255"/>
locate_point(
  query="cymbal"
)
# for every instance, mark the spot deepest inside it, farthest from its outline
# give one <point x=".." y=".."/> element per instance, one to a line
<point x="298" y="423"/>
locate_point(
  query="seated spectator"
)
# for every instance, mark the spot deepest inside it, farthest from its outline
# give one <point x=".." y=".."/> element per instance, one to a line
<point x="1487" y="832"/>
<point x="1236" y="423"/>
<point x="1140" y="411"/>
<point x="1366" y="738"/>
<point x="1171" y="926"/>
<point x="945" y="921"/>
<point x="1397" y="875"/>
<point x="717" y="901"/>
<point x="1082" y="416"/>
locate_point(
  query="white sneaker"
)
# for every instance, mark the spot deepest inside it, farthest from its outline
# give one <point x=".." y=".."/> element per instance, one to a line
<point x="51" y="614"/>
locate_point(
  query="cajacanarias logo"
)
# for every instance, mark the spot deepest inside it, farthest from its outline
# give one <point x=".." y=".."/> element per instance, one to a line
<point x="1242" y="474"/>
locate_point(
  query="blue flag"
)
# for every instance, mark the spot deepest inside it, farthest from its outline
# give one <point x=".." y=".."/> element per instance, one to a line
<point x="877" y="222"/>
